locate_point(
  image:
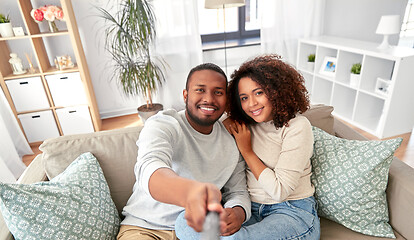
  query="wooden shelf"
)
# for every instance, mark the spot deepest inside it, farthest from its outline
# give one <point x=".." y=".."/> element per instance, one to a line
<point x="42" y="55"/>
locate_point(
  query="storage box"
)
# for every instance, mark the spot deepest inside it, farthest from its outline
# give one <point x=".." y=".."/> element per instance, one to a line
<point x="28" y="94"/>
<point x="75" y="120"/>
<point x="66" y="89"/>
<point x="39" y="126"/>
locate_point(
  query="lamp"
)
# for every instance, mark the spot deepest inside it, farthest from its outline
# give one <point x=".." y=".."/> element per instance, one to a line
<point x="388" y="25"/>
<point x="217" y="4"/>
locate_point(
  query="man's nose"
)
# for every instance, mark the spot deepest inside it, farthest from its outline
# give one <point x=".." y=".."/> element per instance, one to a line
<point x="208" y="97"/>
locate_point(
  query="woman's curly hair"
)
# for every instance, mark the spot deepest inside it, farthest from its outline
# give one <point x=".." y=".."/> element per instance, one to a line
<point x="282" y="84"/>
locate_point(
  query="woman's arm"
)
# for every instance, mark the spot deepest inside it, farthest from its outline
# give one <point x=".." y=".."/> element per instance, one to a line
<point x="243" y="139"/>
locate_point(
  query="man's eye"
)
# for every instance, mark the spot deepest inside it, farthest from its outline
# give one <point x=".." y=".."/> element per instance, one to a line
<point x="199" y="90"/>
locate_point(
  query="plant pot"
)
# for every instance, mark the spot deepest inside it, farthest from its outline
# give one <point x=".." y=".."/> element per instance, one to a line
<point x="144" y="113"/>
<point x="354" y="80"/>
<point x="6" y="30"/>
<point x="311" y="66"/>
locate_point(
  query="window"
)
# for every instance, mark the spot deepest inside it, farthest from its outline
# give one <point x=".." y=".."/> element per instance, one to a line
<point x="407" y="28"/>
<point x="241" y="23"/>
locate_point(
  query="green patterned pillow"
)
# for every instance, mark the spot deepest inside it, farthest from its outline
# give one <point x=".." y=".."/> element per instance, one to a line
<point x="350" y="178"/>
<point x="76" y="204"/>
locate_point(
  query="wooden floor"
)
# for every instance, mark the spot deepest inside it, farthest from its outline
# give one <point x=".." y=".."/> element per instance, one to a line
<point x="405" y="152"/>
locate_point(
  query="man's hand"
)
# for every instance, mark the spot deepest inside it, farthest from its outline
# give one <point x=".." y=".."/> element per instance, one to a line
<point x="202" y="198"/>
<point x="234" y="218"/>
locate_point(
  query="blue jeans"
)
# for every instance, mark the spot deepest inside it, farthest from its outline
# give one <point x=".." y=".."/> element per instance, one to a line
<point x="294" y="219"/>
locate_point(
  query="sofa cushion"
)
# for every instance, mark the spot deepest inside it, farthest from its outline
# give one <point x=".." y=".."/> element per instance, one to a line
<point x="115" y="150"/>
<point x="350" y="178"/>
<point x="320" y="116"/>
<point x="76" y="204"/>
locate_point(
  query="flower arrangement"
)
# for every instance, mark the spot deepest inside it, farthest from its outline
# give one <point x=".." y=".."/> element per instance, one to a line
<point x="49" y="13"/>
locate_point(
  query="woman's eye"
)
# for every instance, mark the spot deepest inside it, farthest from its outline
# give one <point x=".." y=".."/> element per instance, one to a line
<point x="219" y="93"/>
<point x="259" y="93"/>
<point x="243" y="98"/>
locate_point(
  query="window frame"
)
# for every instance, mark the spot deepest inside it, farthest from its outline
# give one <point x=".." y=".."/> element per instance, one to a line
<point x="238" y="35"/>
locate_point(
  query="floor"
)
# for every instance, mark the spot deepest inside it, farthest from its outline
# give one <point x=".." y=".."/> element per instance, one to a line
<point x="405" y="152"/>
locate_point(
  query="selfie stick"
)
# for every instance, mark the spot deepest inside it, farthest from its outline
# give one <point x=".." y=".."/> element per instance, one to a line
<point x="211" y="227"/>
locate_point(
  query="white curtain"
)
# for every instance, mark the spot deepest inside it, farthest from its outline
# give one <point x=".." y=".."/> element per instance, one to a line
<point x="13" y="144"/>
<point x="286" y="21"/>
<point x="179" y="43"/>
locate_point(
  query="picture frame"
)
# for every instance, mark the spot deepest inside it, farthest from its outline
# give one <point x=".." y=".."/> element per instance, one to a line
<point x="18" y="31"/>
<point x="328" y="67"/>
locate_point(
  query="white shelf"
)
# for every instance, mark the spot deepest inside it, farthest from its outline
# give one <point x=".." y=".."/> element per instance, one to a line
<point x="380" y="113"/>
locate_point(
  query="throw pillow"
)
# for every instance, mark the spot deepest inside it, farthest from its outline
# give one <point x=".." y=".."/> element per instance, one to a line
<point x="76" y="204"/>
<point x="350" y="179"/>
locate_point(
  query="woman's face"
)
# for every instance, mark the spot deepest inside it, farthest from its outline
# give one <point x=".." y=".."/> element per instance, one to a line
<point x="254" y="101"/>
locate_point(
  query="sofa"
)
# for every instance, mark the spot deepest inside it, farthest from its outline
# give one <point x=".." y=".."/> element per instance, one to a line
<point x="116" y="152"/>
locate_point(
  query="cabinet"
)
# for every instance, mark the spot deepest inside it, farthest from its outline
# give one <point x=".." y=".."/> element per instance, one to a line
<point x="48" y="102"/>
<point x="381" y="103"/>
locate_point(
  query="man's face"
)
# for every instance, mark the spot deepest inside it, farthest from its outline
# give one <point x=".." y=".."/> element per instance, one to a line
<point x="205" y="99"/>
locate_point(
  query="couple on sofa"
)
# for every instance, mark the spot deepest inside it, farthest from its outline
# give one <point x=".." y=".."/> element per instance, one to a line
<point x="189" y="164"/>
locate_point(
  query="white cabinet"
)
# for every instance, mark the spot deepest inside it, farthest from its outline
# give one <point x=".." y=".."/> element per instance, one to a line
<point x="39" y="126"/>
<point x="378" y="104"/>
<point x="28" y="94"/>
<point x="66" y="89"/>
<point x="75" y="120"/>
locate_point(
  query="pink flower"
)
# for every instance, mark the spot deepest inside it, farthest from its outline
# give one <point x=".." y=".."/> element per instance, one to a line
<point x="59" y="14"/>
<point x="37" y="15"/>
<point x="49" y="15"/>
<point x="48" y="12"/>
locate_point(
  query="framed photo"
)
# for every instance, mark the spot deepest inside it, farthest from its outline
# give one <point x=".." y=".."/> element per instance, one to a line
<point x="18" y="31"/>
<point x="328" y="66"/>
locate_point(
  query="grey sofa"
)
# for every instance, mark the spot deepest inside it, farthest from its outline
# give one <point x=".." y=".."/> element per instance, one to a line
<point x="116" y="152"/>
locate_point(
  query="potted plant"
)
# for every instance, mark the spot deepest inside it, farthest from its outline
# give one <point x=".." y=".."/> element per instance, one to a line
<point x="355" y="75"/>
<point x="311" y="62"/>
<point x="6" y="29"/>
<point x="130" y="34"/>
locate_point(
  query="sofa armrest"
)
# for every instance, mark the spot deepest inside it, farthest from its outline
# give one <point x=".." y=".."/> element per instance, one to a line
<point x="33" y="173"/>
<point x="400" y="195"/>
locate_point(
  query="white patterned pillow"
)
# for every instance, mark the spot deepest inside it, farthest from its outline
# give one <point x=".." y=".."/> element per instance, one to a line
<point x="76" y="204"/>
<point x="350" y="178"/>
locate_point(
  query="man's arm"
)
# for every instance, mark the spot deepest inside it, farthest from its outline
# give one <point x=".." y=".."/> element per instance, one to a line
<point x="196" y="197"/>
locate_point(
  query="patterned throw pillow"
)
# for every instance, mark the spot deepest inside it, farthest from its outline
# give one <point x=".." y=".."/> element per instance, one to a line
<point x="76" y="204"/>
<point x="350" y="178"/>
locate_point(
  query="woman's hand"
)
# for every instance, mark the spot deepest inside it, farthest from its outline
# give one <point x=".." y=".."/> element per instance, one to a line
<point x="227" y="122"/>
<point x="242" y="134"/>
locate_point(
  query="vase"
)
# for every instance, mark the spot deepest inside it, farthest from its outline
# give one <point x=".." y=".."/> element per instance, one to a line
<point x="6" y="30"/>
<point x="354" y="80"/>
<point x="52" y="26"/>
<point x="311" y="66"/>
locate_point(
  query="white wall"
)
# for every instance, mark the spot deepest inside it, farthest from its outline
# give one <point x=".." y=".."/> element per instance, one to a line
<point x="358" y="19"/>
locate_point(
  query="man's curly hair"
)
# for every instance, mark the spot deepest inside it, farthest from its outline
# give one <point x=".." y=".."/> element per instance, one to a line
<point x="282" y="84"/>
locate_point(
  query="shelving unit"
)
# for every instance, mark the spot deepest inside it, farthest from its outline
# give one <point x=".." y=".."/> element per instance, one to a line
<point x="49" y="102"/>
<point x="378" y="105"/>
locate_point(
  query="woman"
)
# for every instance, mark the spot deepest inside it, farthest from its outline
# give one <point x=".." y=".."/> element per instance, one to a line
<point x="265" y="97"/>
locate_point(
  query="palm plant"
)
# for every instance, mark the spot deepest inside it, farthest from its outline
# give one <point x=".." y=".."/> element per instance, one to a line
<point x="130" y="33"/>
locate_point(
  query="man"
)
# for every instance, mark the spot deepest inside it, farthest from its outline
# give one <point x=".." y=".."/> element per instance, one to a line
<point x="184" y="159"/>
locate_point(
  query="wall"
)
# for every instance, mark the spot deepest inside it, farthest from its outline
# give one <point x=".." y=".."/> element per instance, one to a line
<point x="358" y="19"/>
